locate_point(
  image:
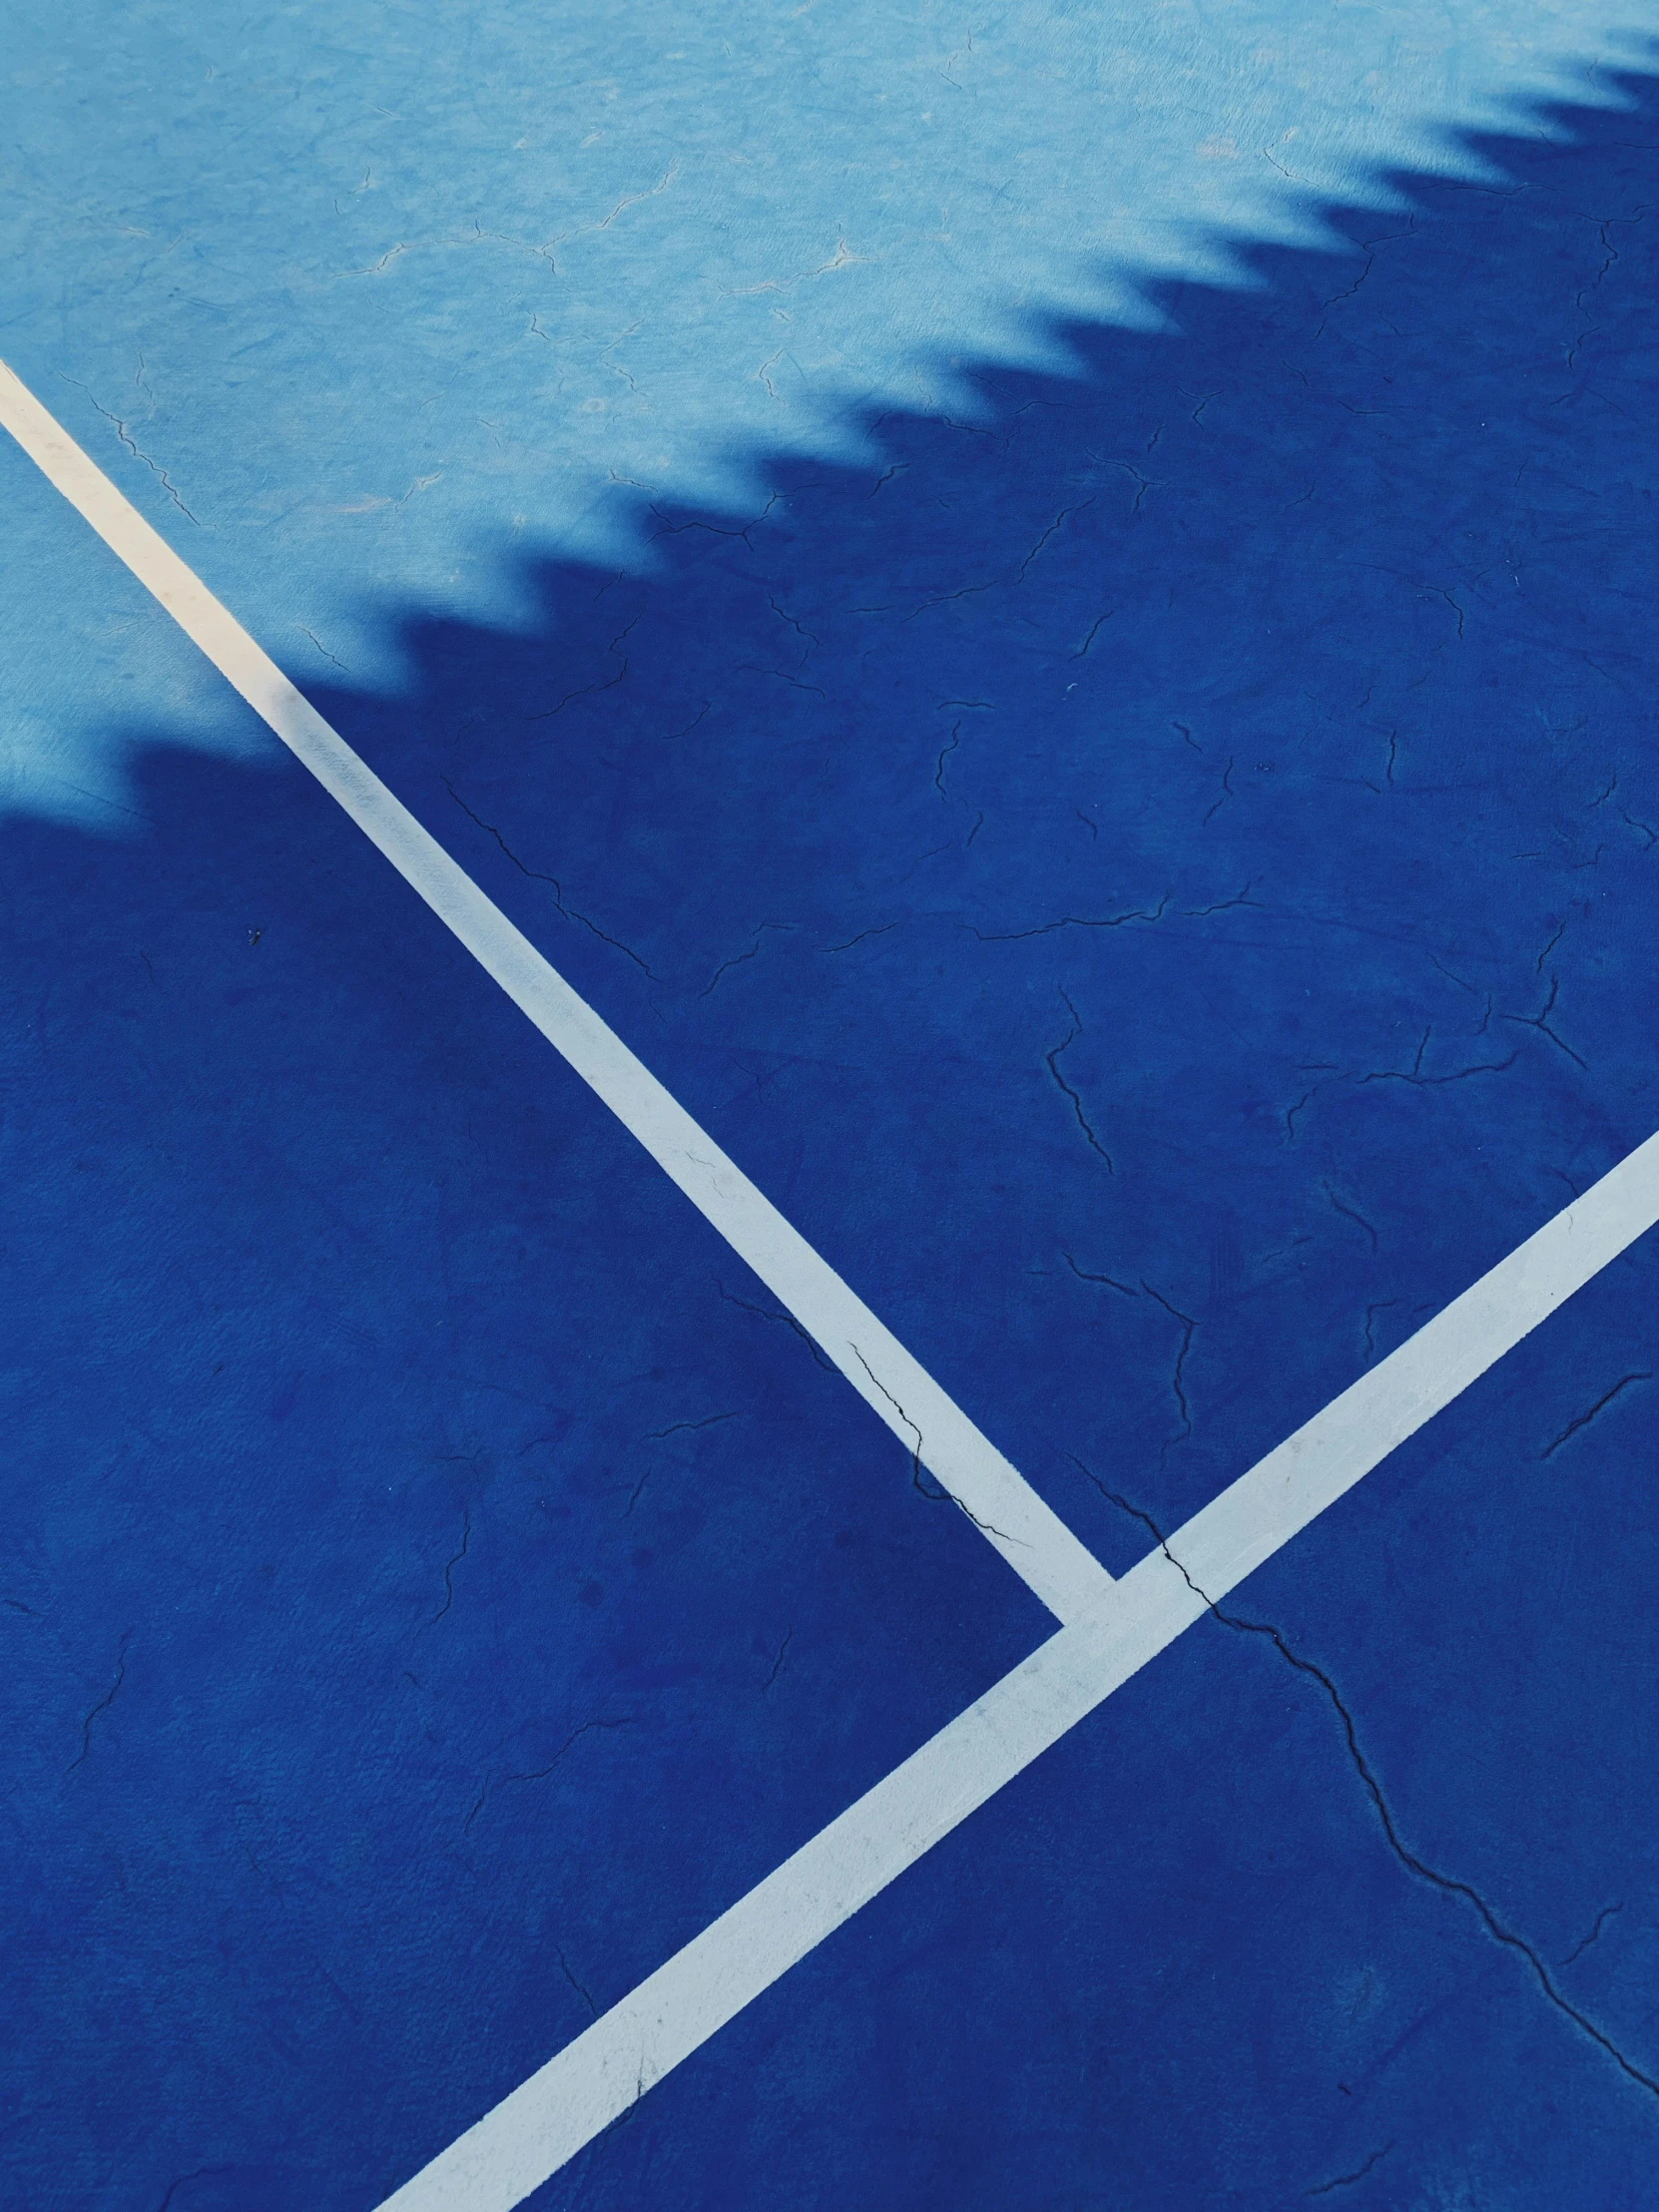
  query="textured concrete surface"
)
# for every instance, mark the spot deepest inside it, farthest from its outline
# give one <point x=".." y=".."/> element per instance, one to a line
<point x="1149" y="861"/>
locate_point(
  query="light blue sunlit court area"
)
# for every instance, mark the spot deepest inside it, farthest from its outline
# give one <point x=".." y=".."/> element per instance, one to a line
<point x="830" y="844"/>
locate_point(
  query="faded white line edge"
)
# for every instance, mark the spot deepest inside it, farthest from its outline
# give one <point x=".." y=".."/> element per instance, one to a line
<point x="532" y="2132"/>
<point x="1032" y="1538"/>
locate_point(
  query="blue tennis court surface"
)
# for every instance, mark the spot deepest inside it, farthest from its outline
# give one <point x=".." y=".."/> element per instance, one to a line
<point x="1051" y="617"/>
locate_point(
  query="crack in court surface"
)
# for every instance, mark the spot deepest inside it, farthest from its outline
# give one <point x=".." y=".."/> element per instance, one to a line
<point x="1449" y="1885"/>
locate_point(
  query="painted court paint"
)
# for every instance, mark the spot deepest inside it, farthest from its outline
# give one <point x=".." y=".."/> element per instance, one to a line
<point x="599" y="2077"/>
<point x="1045" y="617"/>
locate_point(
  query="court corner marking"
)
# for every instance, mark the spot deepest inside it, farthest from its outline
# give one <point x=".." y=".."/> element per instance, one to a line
<point x="584" y="2089"/>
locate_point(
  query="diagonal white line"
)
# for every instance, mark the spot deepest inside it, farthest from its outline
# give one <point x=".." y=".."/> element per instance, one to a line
<point x="1036" y="1544"/>
<point x="594" y="2079"/>
<point x="1113" y="1631"/>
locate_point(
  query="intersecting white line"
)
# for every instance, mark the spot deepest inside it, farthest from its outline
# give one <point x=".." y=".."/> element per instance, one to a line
<point x="1113" y="1629"/>
<point x="594" y="2079"/>
<point x="1035" y="1542"/>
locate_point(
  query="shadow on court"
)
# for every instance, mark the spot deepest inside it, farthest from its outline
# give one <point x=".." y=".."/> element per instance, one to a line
<point x="1158" y="882"/>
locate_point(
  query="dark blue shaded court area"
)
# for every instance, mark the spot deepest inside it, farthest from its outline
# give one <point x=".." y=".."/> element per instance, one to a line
<point x="1158" y="883"/>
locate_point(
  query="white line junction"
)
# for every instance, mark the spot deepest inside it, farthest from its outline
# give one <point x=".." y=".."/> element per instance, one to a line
<point x="1110" y="1629"/>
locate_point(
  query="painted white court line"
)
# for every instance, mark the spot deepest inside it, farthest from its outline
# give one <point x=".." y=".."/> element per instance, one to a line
<point x="592" y="2081"/>
<point x="1036" y="1544"/>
